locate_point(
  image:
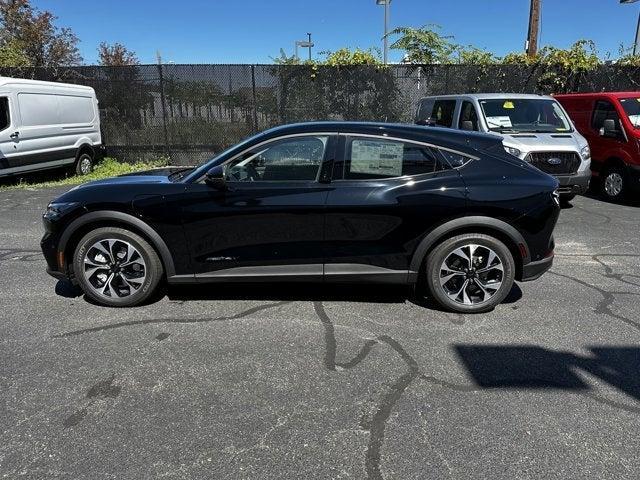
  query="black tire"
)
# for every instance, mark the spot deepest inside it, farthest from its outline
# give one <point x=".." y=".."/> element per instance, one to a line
<point x="84" y="164"/>
<point x="566" y="198"/>
<point x="437" y="257"/>
<point x="151" y="269"/>
<point x="613" y="183"/>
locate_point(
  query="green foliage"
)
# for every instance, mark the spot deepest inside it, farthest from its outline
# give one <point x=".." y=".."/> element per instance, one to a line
<point x="109" y="167"/>
<point x="345" y="56"/>
<point x="471" y="55"/>
<point x="12" y="54"/>
<point x="424" y="45"/>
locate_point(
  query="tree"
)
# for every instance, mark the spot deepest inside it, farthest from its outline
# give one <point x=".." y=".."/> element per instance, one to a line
<point x="116" y="55"/>
<point x="42" y="43"/>
<point x="12" y="55"/>
<point x="424" y="45"/>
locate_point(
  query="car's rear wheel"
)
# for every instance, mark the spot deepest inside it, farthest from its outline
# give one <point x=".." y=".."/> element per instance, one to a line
<point x="84" y="164"/>
<point x="116" y="267"/>
<point x="612" y="184"/>
<point x="470" y="273"/>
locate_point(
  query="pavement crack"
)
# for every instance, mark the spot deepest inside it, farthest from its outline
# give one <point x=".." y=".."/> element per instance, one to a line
<point x="150" y="321"/>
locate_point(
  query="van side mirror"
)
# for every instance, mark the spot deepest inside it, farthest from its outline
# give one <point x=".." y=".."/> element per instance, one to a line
<point x="609" y="129"/>
<point x="467" y="125"/>
<point x="215" y="178"/>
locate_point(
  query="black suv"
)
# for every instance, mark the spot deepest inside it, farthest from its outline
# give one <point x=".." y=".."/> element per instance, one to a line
<point x="332" y="201"/>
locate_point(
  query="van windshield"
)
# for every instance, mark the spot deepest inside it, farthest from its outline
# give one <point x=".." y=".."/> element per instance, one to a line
<point x="632" y="108"/>
<point x="540" y="115"/>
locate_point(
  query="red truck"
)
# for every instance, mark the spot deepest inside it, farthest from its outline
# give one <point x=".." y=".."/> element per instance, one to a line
<point x="610" y="121"/>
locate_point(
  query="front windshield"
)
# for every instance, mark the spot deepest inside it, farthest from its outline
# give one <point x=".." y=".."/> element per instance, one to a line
<point x="540" y="115"/>
<point x="632" y="108"/>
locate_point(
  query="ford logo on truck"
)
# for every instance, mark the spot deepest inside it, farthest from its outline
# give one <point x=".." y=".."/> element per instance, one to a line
<point x="554" y="161"/>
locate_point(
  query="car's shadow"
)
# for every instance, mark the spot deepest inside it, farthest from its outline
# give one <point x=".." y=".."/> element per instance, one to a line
<point x="310" y="292"/>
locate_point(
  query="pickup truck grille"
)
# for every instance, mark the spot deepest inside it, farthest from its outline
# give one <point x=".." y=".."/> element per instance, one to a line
<point x="555" y="163"/>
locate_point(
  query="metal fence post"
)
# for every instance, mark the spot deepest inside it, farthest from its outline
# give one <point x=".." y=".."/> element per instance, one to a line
<point x="163" y="105"/>
<point x="255" y="99"/>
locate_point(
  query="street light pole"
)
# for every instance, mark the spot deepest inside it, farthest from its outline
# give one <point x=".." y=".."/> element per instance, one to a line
<point x="386" y="4"/>
<point x="636" y="45"/>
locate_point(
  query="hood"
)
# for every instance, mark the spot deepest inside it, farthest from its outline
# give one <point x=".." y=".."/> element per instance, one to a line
<point x="531" y="142"/>
<point x="156" y="175"/>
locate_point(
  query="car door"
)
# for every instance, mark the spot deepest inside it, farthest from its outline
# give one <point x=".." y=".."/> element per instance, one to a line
<point x="386" y="194"/>
<point x="9" y="136"/>
<point x="269" y="221"/>
<point x="603" y="147"/>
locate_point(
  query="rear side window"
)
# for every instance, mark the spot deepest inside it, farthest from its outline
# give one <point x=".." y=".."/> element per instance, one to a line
<point x="372" y="158"/>
<point x="453" y="159"/>
<point x="5" y="119"/>
<point x="469" y="114"/>
<point x="604" y="110"/>
<point x="424" y="111"/>
<point x="442" y="113"/>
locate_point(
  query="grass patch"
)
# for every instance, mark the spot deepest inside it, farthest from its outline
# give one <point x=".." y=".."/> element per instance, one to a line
<point x="108" y="167"/>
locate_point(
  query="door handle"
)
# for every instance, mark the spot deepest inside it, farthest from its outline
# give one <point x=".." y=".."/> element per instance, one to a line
<point x="14" y="135"/>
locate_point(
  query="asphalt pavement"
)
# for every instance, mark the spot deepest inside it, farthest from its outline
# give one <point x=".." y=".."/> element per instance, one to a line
<point x="310" y="381"/>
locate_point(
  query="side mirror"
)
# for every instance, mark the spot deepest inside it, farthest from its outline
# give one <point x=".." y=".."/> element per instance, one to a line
<point x="609" y="129"/>
<point x="467" y="125"/>
<point x="215" y="178"/>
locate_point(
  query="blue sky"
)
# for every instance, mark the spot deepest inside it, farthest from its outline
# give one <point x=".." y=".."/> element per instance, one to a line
<point x="253" y="31"/>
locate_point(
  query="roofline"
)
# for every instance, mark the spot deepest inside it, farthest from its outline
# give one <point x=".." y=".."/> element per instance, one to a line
<point x="28" y="81"/>
<point x="593" y="94"/>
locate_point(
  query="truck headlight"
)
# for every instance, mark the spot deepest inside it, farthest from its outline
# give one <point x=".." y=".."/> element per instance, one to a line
<point x="585" y="153"/>
<point x="513" y="151"/>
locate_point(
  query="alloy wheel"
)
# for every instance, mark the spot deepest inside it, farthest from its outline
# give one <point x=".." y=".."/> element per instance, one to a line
<point x="85" y="165"/>
<point x="471" y="274"/>
<point x="613" y="184"/>
<point x="114" y="268"/>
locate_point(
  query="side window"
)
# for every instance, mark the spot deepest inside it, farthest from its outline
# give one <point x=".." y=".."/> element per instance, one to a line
<point x="443" y="112"/>
<point x="453" y="159"/>
<point x="372" y="158"/>
<point x="290" y="159"/>
<point x="424" y="111"/>
<point x="604" y="111"/>
<point x="468" y="117"/>
<point x="5" y="119"/>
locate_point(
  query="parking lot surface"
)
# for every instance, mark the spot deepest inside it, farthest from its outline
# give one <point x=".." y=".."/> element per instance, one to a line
<point x="287" y="381"/>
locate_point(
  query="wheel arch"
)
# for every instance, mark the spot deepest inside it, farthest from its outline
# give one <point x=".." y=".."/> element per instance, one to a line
<point x="85" y="148"/>
<point x="494" y="227"/>
<point x="105" y="218"/>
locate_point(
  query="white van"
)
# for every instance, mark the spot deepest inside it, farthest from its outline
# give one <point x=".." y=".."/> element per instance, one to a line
<point x="47" y="125"/>
<point x="534" y="128"/>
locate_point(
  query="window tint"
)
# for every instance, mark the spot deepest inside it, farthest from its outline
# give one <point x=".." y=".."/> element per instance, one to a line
<point x="604" y="111"/>
<point x="5" y="119"/>
<point x="443" y="112"/>
<point x="468" y="113"/>
<point x="370" y="158"/>
<point x="283" y="160"/>
<point x="453" y="159"/>
<point x="40" y="109"/>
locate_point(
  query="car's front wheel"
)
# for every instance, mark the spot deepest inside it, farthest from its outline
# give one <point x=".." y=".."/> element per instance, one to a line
<point x="470" y="273"/>
<point x="612" y="185"/>
<point x="116" y="267"/>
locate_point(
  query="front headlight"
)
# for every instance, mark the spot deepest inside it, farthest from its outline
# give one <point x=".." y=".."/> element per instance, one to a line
<point x="56" y="210"/>
<point x="513" y="151"/>
<point x="585" y="153"/>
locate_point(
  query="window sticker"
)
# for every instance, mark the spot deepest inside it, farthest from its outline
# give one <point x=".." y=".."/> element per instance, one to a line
<point x="500" y="121"/>
<point x="635" y="120"/>
<point x="374" y="157"/>
<point x="508" y="105"/>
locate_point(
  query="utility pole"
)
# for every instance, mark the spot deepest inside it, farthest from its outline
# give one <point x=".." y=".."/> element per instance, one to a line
<point x="636" y="43"/>
<point x="534" y="28"/>
<point x="310" y="45"/>
<point x="386" y="4"/>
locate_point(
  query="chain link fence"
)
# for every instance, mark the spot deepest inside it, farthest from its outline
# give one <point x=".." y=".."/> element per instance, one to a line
<point x="187" y="113"/>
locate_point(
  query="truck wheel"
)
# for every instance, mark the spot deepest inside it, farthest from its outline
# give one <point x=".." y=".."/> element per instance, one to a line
<point x="612" y="184"/>
<point x="116" y="267"/>
<point x="470" y="273"/>
<point x="84" y="164"/>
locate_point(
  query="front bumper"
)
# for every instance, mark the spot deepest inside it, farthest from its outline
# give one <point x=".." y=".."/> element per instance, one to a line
<point x="574" y="184"/>
<point x="534" y="270"/>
